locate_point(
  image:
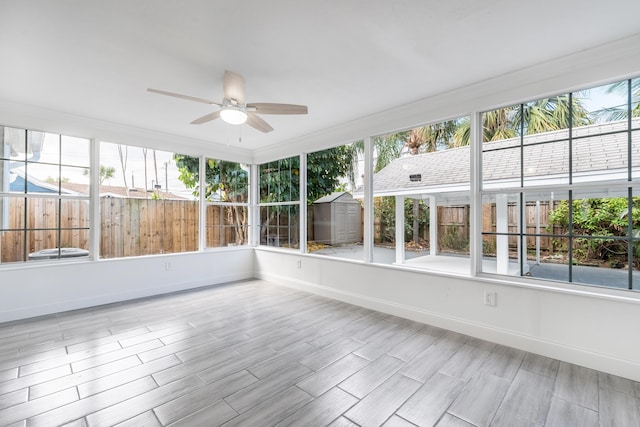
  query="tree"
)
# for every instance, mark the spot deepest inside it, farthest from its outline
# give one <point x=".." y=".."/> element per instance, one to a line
<point x="225" y="182"/>
<point x="122" y="155"/>
<point x="554" y="113"/>
<point x="602" y="220"/>
<point x="621" y="112"/>
<point x="279" y="180"/>
<point x="106" y="172"/>
<point x="146" y="182"/>
<point x="542" y="115"/>
<point x="325" y="169"/>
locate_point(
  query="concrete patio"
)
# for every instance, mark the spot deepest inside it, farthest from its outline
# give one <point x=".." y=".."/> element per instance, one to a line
<point x="458" y="264"/>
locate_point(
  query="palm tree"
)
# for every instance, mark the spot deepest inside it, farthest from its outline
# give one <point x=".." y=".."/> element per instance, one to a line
<point x="542" y="115"/>
<point x="615" y="113"/>
<point x="386" y="149"/>
<point x="431" y="138"/>
<point x="554" y="113"/>
<point x="496" y="125"/>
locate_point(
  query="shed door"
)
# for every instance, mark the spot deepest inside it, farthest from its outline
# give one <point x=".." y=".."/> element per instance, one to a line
<point x="340" y="223"/>
<point x="353" y="222"/>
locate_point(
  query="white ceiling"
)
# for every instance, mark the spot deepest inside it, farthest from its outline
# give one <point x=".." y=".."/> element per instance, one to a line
<point x="344" y="59"/>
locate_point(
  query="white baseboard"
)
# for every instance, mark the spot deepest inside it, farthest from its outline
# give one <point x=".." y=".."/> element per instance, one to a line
<point x="76" y="303"/>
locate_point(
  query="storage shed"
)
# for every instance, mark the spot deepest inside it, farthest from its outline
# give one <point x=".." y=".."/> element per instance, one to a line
<point x="337" y="218"/>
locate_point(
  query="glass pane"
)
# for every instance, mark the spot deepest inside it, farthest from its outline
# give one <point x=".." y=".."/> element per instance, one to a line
<point x="547" y="119"/>
<point x="601" y="157"/>
<point x="43" y="147"/>
<point x="546" y="163"/>
<point x="635" y="243"/>
<point x="600" y="261"/>
<point x="334" y="215"/>
<point x="42" y="178"/>
<point x="15" y="143"/>
<point x="500" y="228"/>
<point x="555" y="265"/>
<point x="227" y="225"/>
<point x="227" y="181"/>
<point x="416" y="226"/>
<point x="74" y="231"/>
<point x="280" y="180"/>
<point x="501" y="168"/>
<point x="384" y="222"/>
<point x="502" y="126"/>
<point x="133" y="226"/>
<point x="44" y="214"/>
<point x="12" y="176"/>
<point x="75" y="151"/>
<point x="635" y="150"/>
<point x="453" y="229"/>
<point x="280" y="226"/>
<point x="147" y="202"/>
<point x="606" y="107"/>
<point x="12" y="246"/>
<point x="600" y="216"/>
<point x="74" y="180"/>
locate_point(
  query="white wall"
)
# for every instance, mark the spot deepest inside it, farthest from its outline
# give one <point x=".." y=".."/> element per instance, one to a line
<point x="589" y="330"/>
<point x="32" y="289"/>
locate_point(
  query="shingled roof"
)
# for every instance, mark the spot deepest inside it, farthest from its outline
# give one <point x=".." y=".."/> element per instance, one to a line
<point x="600" y="148"/>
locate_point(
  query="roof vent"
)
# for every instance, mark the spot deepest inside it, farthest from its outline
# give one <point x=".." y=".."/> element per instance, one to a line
<point x="415" y="177"/>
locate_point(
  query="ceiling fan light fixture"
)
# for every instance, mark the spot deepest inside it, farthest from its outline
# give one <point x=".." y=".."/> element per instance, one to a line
<point x="233" y="115"/>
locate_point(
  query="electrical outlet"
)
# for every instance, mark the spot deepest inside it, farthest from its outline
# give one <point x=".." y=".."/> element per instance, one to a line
<point x="167" y="266"/>
<point x="299" y="263"/>
<point x="490" y="298"/>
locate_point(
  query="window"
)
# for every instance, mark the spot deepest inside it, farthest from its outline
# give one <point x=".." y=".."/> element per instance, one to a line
<point x="227" y="197"/>
<point x="560" y="187"/>
<point x="44" y="196"/>
<point x="147" y="205"/>
<point x="334" y="215"/>
<point x="280" y="203"/>
<point x="426" y="169"/>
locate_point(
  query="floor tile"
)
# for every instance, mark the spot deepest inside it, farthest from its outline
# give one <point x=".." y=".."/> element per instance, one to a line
<point x="382" y="402"/>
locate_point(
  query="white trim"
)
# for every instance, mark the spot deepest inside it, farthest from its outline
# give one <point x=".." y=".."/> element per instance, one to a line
<point x="292" y="202"/>
<point x="475" y="187"/>
<point x="202" y="207"/>
<point x="303" y="203"/>
<point x="254" y="209"/>
<point x="399" y="229"/>
<point x="94" y="199"/>
<point x="368" y="232"/>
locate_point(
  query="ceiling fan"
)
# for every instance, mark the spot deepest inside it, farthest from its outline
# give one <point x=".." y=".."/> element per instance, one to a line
<point x="234" y="109"/>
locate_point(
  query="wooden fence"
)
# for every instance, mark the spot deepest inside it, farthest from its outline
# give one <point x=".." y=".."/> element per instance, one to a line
<point x="132" y="227"/>
<point x="41" y="217"/>
<point x="128" y="227"/>
<point x="547" y="243"/>
<point x="453" y="227"/>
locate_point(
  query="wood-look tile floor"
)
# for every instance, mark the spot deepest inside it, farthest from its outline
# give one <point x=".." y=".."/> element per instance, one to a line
<point x="257" y="354"/>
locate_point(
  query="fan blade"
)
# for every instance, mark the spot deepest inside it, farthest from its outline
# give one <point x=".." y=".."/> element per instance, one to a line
<point x="273" y="108"/>
<point x="233" y="86"/>
<point x="206" y="118"/>
<point x="178" y="95"/>
<point x="256" y="122"/>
